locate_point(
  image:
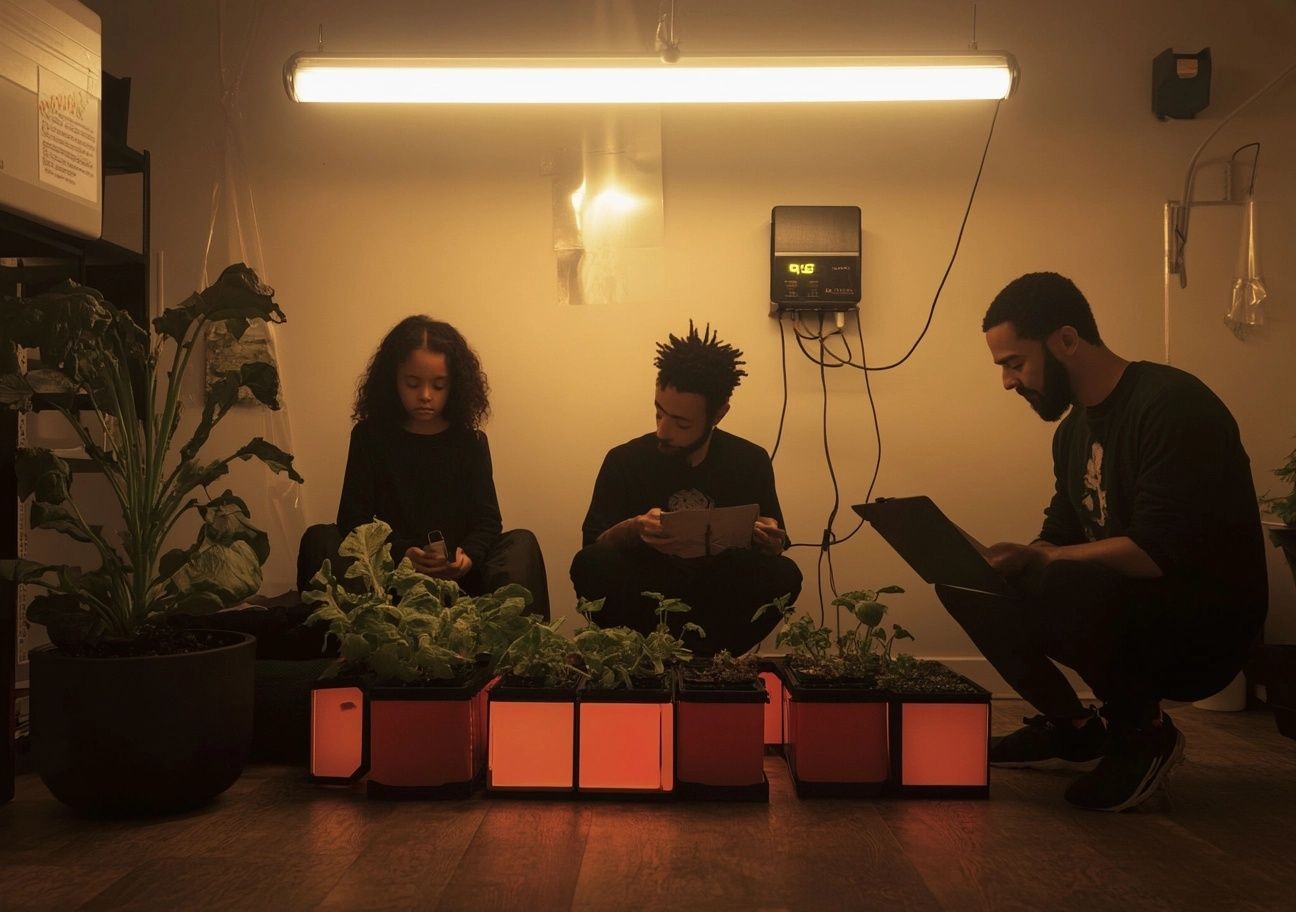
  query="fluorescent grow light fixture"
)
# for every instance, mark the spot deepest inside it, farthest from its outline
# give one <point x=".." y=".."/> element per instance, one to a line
<point x="647" y="80"/>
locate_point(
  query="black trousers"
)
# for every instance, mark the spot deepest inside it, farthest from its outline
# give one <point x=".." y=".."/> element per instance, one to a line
<point x="724" y="591"/>
<point x="515" y="558"/>
<point x="1132" y="641"/>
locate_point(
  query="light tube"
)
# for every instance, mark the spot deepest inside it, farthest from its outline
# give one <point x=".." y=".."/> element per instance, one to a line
<point x="701" y="80"/>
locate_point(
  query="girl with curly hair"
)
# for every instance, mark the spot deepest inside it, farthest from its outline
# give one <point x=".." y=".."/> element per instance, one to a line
<point x="419" y="461"/>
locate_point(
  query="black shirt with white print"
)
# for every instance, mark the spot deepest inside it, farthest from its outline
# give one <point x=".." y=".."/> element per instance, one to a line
<point x="1161" y="461"/>
<point x="636" y="477"/>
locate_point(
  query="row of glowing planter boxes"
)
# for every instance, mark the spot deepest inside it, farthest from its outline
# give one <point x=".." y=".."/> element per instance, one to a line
<point x="443" y="742"/>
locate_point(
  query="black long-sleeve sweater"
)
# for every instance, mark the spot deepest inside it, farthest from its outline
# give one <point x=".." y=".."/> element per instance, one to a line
<point x="1161" y="461"/>
<point x="418" y="483"/>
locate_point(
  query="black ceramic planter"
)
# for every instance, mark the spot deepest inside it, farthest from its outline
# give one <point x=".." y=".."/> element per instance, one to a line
<point x="146" y="734"/>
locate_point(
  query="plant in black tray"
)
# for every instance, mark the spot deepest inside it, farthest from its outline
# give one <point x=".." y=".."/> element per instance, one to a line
<point x="616" y="657"/>
<point x="408" y="628"/>
<point x="425" y="651"/>
<point x="542" y="658"/>
<point x="854" y="657"/>
<point x="723" y="670"/>
<point x="105" y="375"/>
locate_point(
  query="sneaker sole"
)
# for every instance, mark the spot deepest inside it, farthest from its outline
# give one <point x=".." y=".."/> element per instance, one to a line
<point x="1154" y="780"/>
<point x="1051" y="763"/>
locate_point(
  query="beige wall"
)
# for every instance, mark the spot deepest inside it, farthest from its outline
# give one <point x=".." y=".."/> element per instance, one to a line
<point x="368" y="215"/>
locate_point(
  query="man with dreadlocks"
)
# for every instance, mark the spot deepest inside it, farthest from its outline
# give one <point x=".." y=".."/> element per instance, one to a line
<point x="687" y="464"/>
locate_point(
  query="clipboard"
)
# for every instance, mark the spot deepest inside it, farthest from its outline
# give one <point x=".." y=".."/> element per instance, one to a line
<point x="932" y="545"/>
<point x="703" y="533"/>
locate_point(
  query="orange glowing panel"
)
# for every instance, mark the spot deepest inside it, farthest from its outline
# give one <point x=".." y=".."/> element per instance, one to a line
<point x="422" y="743"/>
<point x="626" y="746"/>
<point x="531" y="744"/>
<point x="838" y="742"/>
<point x="944" y="744"/>
<point x="720" y="743"/>
<point x="337" y="732"/>
<point x="774" y="708"/>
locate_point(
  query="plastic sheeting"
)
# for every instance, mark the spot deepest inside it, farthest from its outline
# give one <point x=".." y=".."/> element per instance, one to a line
<point x="1246" y="308"/>
<point x="233" y="217"/>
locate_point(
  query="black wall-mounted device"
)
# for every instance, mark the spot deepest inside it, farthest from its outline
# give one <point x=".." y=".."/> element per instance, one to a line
<point x="814" y="258"/>
<point x="1180" y="83"/>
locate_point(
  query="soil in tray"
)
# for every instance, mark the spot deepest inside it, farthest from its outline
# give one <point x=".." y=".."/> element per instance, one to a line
<point x="928" y="678"/>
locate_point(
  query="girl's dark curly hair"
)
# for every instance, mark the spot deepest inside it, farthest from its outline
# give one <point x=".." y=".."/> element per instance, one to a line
<point x="376" y="398"/>
<point x="700" y="364"/>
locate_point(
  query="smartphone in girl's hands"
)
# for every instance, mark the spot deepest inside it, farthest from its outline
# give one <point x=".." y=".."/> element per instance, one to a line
<point x="436" y="545"/>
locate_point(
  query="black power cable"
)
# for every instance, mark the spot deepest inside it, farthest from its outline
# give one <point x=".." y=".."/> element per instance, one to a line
<point x="829" y="538"/>
<point x="778" y="438"/>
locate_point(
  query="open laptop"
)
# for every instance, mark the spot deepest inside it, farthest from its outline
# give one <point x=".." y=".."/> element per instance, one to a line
<point x="939" y="551"/>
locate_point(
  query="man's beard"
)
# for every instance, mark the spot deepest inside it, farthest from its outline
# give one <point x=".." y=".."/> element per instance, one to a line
<point x="1052" y="402"/>
<point x="685" y="452"/>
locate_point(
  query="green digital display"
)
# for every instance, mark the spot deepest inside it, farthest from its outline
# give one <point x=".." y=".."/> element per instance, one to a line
<point x="801" y="268"/>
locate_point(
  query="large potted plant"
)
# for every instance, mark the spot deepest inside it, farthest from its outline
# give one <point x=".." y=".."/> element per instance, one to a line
<point x="131" y="714"/>
<point x="1280" y="659"/>
<point x="425" y="653"/>
<point x="835" y="713"/>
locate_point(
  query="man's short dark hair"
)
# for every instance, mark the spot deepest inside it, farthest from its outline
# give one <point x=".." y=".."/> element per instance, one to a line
<point x="1039" y="303"/>
<point x="700" y="364"/>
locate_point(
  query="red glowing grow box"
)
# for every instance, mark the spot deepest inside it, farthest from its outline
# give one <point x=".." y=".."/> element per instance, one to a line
<point x="720" y="740"/>
<point x="338" y="732"/>
<point x="773" y="711"/>
<point x="428" y="741"/>
<point x="941" y="740"/>
<point x="532" y="740"/>
<point x="626" y="741"/>
<point x="836" y="737"/>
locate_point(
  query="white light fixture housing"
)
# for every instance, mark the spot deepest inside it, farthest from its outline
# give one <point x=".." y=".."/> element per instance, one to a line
<point x="317" y="77"/>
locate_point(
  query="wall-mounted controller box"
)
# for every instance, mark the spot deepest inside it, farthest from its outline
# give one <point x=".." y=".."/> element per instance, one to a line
<point x="814" y="258"/>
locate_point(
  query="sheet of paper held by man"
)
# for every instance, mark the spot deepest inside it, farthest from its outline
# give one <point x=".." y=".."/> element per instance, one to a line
<point x="704" y="532"/>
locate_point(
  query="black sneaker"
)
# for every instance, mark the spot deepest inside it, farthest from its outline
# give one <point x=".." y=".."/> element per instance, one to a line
<point x="1138" y="762"/>
<point x="1052" y="745"/>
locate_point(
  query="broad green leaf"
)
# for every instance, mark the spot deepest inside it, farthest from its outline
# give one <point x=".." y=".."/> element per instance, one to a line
<point x="175" y="321"/>
<point x="14" y="391"/>
<point x="237" y="294"/>
<point x="58" y="518"/>
<point x="271" y="455"/>
<point x="373" y="562"/>
<point x="48" y="382"/>
<point x="42" y="474"/>
<point x="262" y="381"/>
<point x="22" y="571"/>
<point x="217" y="575"/>
<point x="68" y="622"/>
<point x="227" y="522"/>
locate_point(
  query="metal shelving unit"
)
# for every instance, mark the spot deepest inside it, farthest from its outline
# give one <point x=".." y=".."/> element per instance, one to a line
<point x="122" y="275"/>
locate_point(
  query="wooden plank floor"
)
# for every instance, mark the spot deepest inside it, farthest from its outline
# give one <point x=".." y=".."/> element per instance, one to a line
<point x="1222" y="842"/>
